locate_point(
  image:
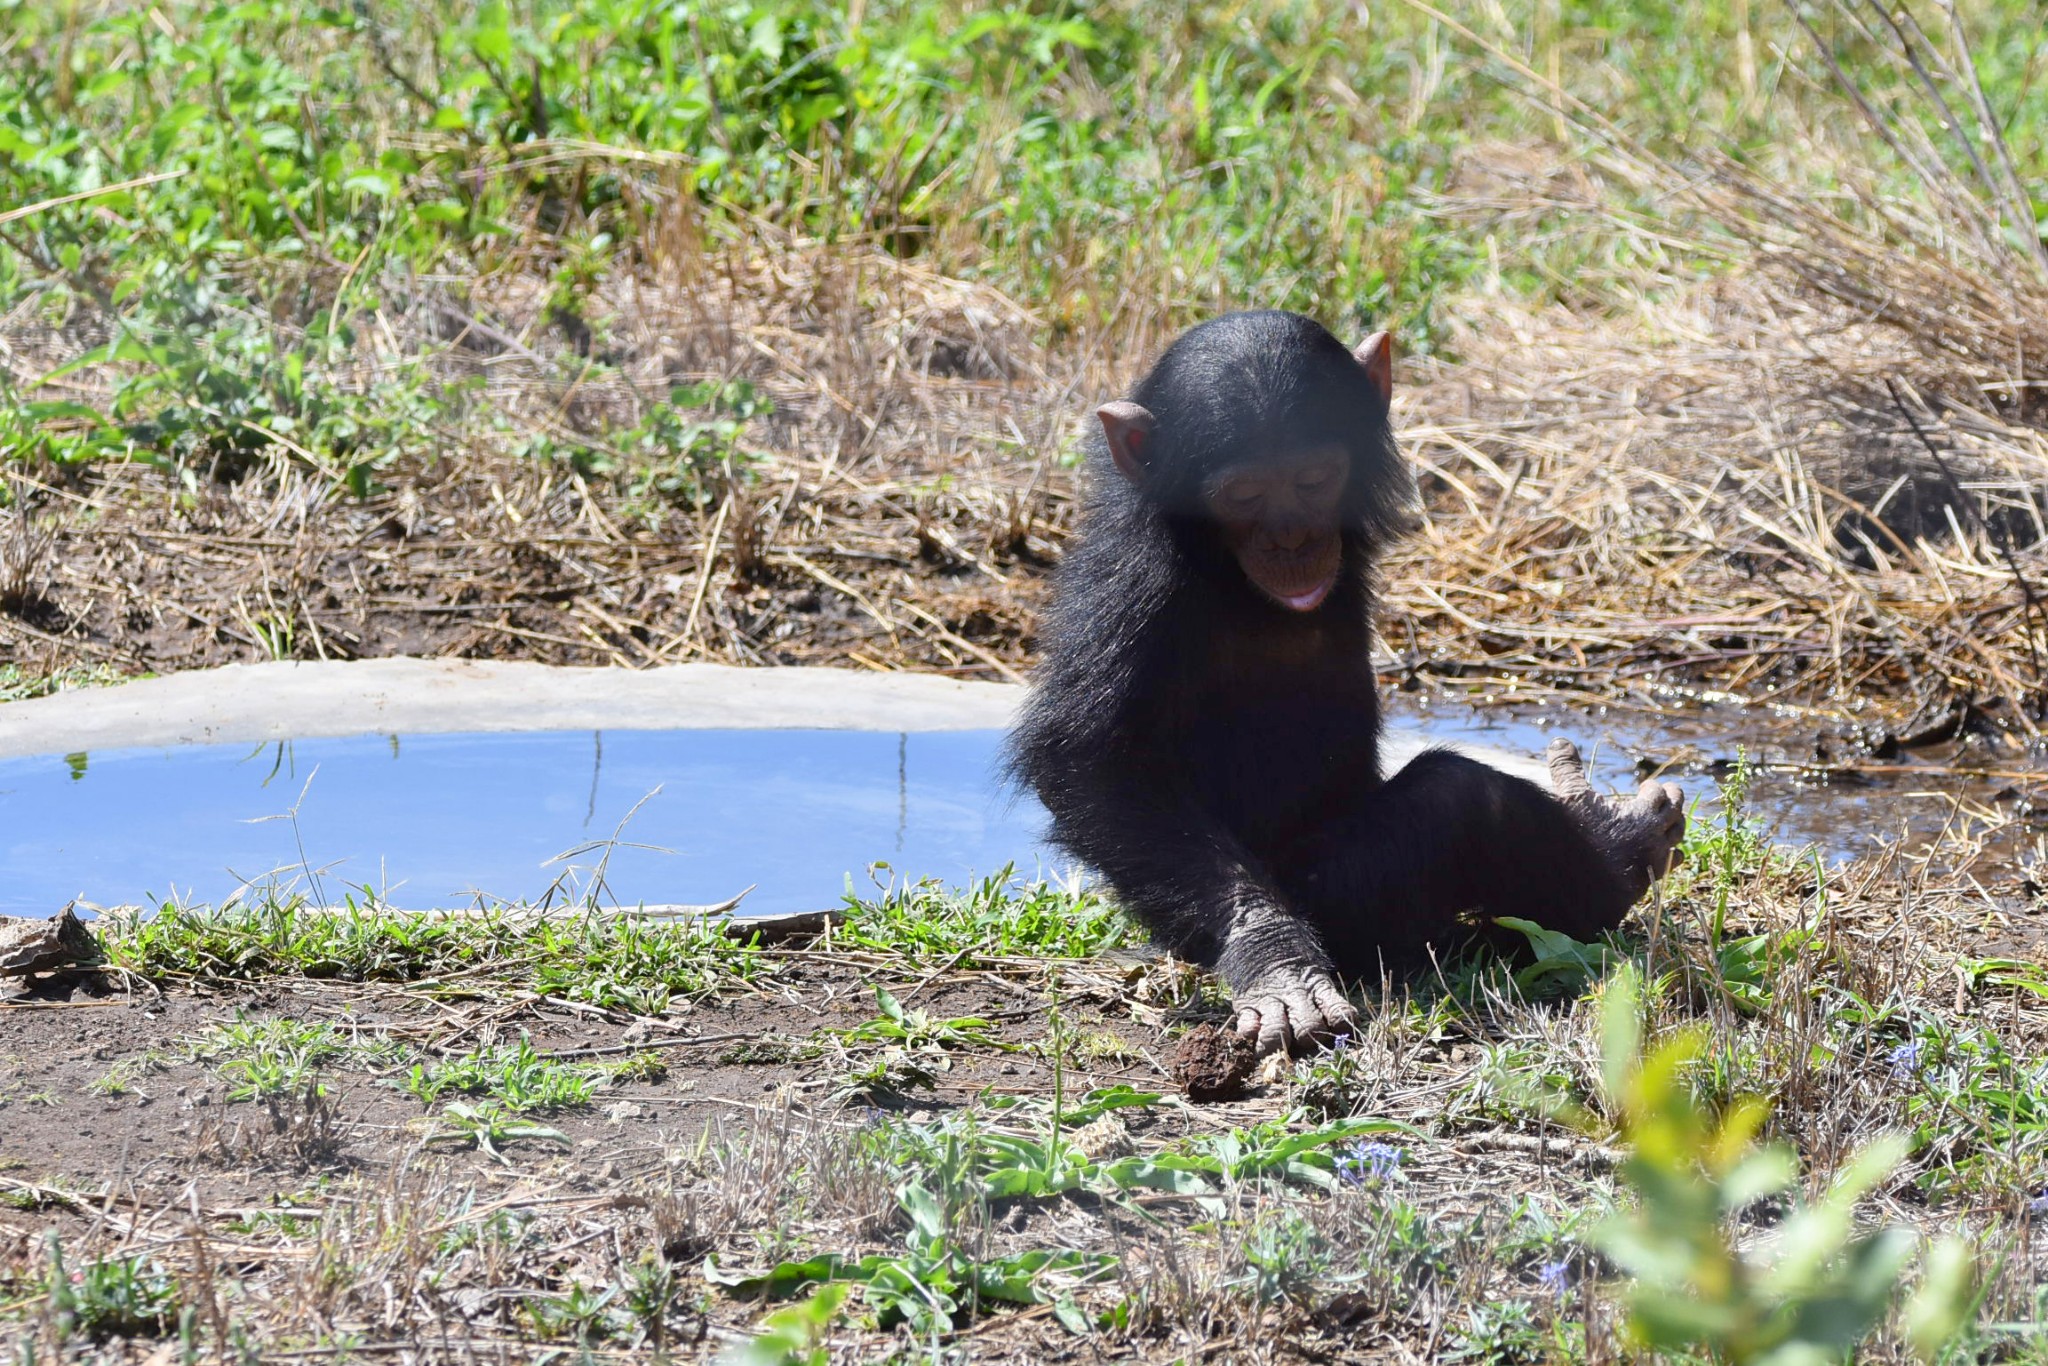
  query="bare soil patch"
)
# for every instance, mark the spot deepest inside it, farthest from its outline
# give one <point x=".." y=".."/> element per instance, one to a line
<point x="174" y="1125"/>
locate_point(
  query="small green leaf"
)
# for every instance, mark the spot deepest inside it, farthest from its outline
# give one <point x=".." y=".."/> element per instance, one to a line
<point x="1072" y="1316"/>
<point x="1941" y="1304"/>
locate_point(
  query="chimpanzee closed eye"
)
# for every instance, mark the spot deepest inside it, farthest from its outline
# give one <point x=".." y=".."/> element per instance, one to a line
<point x="1204" y="723"/>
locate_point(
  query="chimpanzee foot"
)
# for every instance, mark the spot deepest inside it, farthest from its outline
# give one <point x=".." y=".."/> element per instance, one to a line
<point x="1640" y="834"/>
<point x="1294" y="1008"/>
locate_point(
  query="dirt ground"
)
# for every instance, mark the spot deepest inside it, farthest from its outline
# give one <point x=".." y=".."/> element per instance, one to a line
<point x="165" y="1137"/>
<point x="766" y="1119"/>
<point x="170" y="1159"/>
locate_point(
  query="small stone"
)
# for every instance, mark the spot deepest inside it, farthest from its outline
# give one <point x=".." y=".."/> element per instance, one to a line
<point x="33" y="946"/>
<point x="624" y="1110"/>
<point x="1211" y="1063"/>
<point x="1104" y="1138"/>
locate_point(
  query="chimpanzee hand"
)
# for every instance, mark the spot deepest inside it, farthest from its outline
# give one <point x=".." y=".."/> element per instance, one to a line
<point x="1640" y="834"/>
<point x="1293" y="1007"/>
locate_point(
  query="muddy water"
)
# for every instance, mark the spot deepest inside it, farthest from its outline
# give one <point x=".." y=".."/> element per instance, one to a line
<point x="799" y="816"/>
<point x="1809" y="786"/>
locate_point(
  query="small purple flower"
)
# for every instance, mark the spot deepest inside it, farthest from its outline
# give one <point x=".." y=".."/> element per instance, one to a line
<point x="1555" y="1277"/>
<point x="1905" y="1060"/>
<point x="2039" y="1204"/>
<point x="1340" y="1043"/>
<point x="1374" y="1162"/>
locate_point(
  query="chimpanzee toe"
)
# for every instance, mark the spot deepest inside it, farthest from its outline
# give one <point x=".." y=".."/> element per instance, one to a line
<point x="1567" y="770"/>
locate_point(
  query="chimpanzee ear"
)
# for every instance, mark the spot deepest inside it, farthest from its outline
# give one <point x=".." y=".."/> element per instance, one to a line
<point x="1128" y="426"/>
<point x="1376" y="355"/>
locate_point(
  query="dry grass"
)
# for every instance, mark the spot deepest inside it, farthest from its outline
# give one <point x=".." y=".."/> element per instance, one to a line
<point x="906" y="493"/>
<point x="1811" y="480"/>
<point x="1702" y="501"/>
<point x="1712" y="496"/>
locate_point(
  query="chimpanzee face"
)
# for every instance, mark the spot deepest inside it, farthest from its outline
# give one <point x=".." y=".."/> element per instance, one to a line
<point x="1283" y="520"/>
<point x="1268" y="430"/>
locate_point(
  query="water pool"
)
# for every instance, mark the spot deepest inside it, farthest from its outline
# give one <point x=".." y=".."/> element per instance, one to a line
<point x="677" y="816"/>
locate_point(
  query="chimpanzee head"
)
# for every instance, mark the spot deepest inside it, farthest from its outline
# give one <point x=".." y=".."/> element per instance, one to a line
<point x="1263" y="434"/>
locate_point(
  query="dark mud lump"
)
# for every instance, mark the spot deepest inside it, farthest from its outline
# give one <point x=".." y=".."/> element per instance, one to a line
<point x="1210" y="1063"/>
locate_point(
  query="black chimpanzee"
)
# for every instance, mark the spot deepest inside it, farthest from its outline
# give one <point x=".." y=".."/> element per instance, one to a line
<point x="1205" y="727"/>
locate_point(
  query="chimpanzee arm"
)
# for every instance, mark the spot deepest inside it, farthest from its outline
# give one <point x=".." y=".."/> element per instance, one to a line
<point x="1206" y="899"/>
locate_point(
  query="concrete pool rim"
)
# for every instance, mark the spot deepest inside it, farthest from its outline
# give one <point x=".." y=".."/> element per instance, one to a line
<point x="291" y="700"/>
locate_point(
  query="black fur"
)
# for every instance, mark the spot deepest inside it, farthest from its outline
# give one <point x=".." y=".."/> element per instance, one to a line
<point x="1214" y="755"/>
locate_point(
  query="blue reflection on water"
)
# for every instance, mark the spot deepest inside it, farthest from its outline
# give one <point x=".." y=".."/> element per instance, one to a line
<point x="431" y="820"/>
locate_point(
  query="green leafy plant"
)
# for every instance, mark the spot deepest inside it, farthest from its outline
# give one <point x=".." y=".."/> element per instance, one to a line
<point x="17" y="683"/>
<point x="1747" y="967"/>
<point x="110" y="1297"/>
<point x="488" y="1126"/>
<point x="601" y="959"/>
<point x="1978" y="1099"/>
<point x="265" y="1057"/>
<point x="919" y="1031"/>
<point x="994" y="918"/>
<point x="1731" y="850"/>
<point x="933" y="1283"/>
<point x="681" y="446"/>
<point x="1818" y="1287"/>
<point x="1563" y="966"/>
<point x="795" y="1334"/>
<point x="580" y="1312"/>
<point x="1043" y="1163"/>
<point x="518" y="1077"/>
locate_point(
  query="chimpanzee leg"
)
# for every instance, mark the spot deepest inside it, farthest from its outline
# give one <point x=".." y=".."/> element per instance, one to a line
<point x="1390" y="875"/>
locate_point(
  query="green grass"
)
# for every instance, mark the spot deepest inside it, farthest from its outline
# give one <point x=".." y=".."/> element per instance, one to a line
<point x="261" y="1058"/>
<point x="518" y="1077"/>
<point x="602" y="958"/>
<point x="1106" y="165"/>
<point x="109" y="1297"/>
<point x="608" y="958"/>
<point x="949" y="1175"/>
<point x="997" y="917"/>
<point x="18" y="684"/>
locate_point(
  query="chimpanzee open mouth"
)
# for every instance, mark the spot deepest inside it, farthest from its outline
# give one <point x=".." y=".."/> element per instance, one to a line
<point x="1299" y="599"/>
